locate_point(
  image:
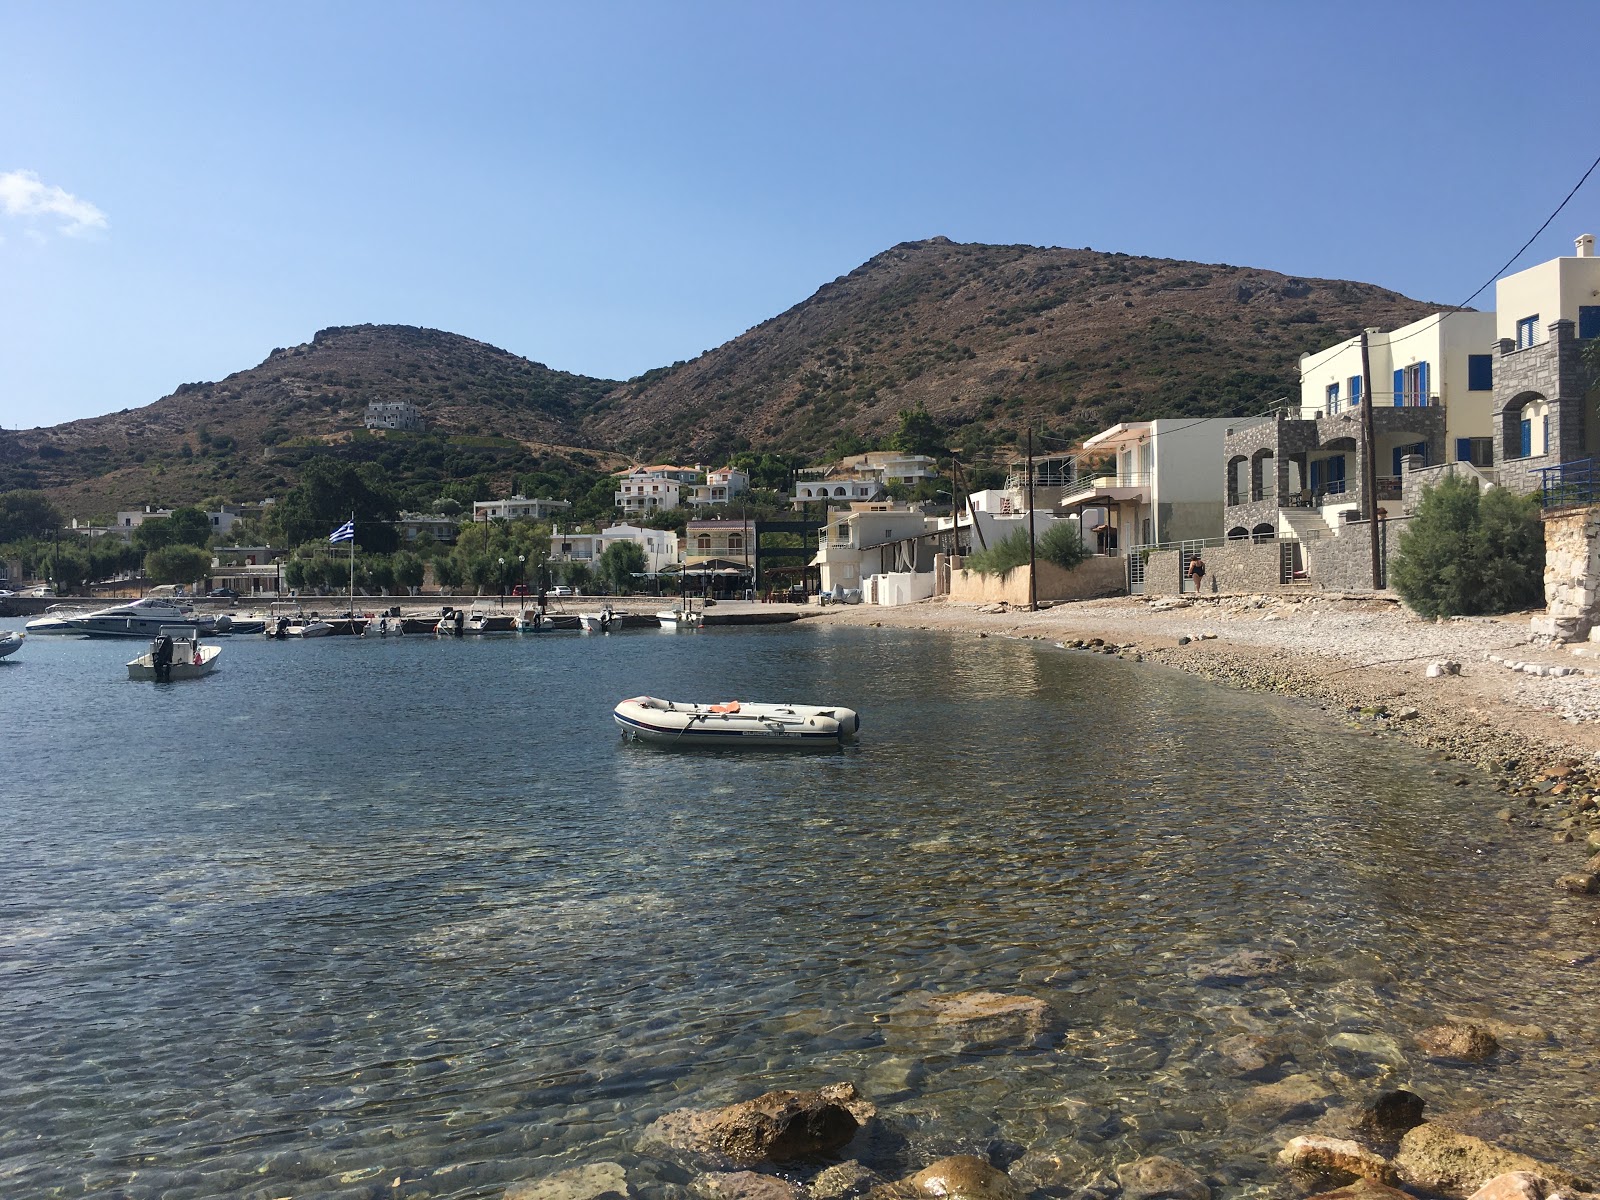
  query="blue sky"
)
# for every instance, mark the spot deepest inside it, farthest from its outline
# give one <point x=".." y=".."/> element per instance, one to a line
<point x="606" y="188"/>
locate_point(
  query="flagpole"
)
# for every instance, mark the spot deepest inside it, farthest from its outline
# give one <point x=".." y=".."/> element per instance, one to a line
<point x="352" y="572"/>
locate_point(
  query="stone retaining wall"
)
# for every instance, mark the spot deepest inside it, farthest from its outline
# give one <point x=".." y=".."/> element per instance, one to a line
<point x="1091" y="578"/>
<point x="1571" y="573"/>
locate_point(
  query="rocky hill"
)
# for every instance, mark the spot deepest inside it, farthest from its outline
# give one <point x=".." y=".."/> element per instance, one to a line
<point x="991" y="340"/>
<point x="242" y="436"/>
<point x="996" y="338"/>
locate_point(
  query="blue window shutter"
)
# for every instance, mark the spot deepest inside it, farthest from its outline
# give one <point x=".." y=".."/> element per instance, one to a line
<point x="1589" y="320"/>
<point x="1527" y="438"/>
<point x="1423" y="390"/>
<point x="1399" y="453"/>
<point x="1545" y="433"/>
<point x="1316" y="474"/>
<point x="1463" y="449"/>
<point x="1399" y="387"/>
<point x="1336" y="469"/>
<point x="1355" y="389"/>
<point x="1480" y="372"/>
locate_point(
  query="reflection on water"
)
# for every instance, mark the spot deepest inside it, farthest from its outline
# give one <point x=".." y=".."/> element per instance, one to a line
<point x="350" y="913"/>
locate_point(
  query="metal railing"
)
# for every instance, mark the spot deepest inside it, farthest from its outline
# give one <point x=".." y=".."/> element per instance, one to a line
<point x="1567" y="484"/>
<point x="1107" y="480"/>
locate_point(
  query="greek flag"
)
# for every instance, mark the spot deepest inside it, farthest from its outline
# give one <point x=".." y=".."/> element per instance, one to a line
<point x="345" y="533"/>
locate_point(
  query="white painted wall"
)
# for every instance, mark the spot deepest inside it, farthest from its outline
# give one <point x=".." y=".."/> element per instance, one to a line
<point x="1552" y="291"/>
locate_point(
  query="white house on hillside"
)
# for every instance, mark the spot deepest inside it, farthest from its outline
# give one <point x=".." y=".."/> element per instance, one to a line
<point x="648" y="489"/>
<point x="660" y="546"/>
<point x="720" y="487"/>
<point x="871" y="539"/>
<point x="518" y="508"/>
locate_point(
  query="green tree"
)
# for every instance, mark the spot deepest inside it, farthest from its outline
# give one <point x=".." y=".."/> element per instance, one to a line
<point x="447" y="571"/>
<point x="409" y="570"/>
<point x="328" y="493"/>
<point x="189" y="527"/>
<point x="1467" y="552"/>
<point x="919" y="433"/>
<point x="1062" y="544"/>
<point x="26" y="514"/>
<point x="620" y="562"/>
<point x="177" y="564"/>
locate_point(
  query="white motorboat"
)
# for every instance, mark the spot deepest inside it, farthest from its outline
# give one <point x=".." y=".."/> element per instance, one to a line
<point x="175" y="654"/>
<point x="681" y="618"/>
<point x="296" y="625"/>
<point x="143" y="618"/>
<point x="486" y="620"/>
<point x="57" y="619"/>
<point x="603" y="621"/>
<point x="10" y="641"/>
<point x="735" y="723"/>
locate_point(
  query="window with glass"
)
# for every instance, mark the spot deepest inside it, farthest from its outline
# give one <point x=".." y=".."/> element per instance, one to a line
<point x="1333" y="398"/>
<point x="1527" y="330"/>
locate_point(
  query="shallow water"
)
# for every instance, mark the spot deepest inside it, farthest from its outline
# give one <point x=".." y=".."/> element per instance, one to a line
<point x="405" y="917"/>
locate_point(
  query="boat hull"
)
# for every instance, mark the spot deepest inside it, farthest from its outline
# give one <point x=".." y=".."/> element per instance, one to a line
<point x="10" y="642"/>
<point x="143" y="670"/>
<point x="670" y="723"/>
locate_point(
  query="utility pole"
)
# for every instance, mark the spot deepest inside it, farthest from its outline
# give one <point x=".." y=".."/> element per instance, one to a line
<point x="1369" y="470"/>
<point x="1033" y="559"/>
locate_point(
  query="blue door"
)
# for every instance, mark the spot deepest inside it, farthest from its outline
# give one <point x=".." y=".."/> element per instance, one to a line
<point x="1527" y="438"/>
<point x="1336" y="475"/>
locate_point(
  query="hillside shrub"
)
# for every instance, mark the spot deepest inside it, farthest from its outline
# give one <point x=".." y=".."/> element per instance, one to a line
<point x="1469" y="552"/>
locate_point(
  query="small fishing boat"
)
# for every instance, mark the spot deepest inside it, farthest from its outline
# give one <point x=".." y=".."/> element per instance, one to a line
<point x="177" y="653"/>
<point x="10" y="641"/>
<point x="735" y="723"/>
<point x="684" y="616"/>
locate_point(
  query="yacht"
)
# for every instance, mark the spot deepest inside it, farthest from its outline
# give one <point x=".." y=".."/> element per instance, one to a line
<point x="143" y="618"/>
<point x="57" y="619"/>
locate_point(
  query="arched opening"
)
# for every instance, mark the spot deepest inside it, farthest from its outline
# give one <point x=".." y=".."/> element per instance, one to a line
<point x="1263" y="475"/>
<point x="1238" y="478"/>
<point x="702" y="543"/>
<point x="1238" y="533"/>
<point x="736" y="542"/>
<point x="838" y="491"/>
<point x="1526" y="423"/>
<point x="1263" y="533"/>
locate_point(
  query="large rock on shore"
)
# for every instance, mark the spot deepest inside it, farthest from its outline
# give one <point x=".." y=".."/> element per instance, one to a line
<point x="1160" y="1178"/>
<point x="1526" y="1185"/>
<point x="1363" y="1189"/>
<point x="775" y="1127"/>
<point x="1434" y="1158"/>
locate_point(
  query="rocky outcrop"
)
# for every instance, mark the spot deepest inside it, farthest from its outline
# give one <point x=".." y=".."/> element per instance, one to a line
<point x="1160" y="1178"/>
<point x="963" y="1177"/>
<point x="1526" y="1185"/>
<point x="1363" y="1189"/>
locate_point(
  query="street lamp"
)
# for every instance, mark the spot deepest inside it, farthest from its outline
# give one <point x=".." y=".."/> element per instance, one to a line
<point x="502" y="582"/>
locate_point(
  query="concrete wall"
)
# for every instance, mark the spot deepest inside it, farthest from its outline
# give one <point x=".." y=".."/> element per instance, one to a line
<point x="898" y="587"/>
<point x="1551" y="291"/>
<point x="1091" y="578"/>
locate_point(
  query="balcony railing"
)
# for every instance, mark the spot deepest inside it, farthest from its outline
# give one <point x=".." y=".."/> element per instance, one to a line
<point x="1111" y="479"/>
<point x="1568" y="484"/>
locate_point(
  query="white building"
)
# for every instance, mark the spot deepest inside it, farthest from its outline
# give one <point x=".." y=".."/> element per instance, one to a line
<point x="518" y="508"/>
<point x="648" y="489"/>
<point x="128" y="521"/>
<point x="660" y="546"/>
<point x="892" y="466"/>
<point x="1446" y="359"/>
<point x="720" y="487"/>
<point x="394" y="414"/>
<point x="837" y="488"/>
<point x="410" y="526"/>
<point x="1166" y="485"/>
<point x="870" y="539"/>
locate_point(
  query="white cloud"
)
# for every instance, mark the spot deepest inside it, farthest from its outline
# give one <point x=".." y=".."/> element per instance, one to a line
<point x="24" y="195"/>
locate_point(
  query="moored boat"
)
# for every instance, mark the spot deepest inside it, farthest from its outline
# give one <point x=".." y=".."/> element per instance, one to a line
<point x="735" y="723"/>
<point x="10" y="641"/>
<point x="599" y="622"/>
<point x="176" y="653"/>
<point x="484" y="620"/>
<point x="56" y="619"/>
<point x="142" y="618"/>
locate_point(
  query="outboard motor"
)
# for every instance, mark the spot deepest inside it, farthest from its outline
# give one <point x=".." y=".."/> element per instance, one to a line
<point x="161" y="658"/>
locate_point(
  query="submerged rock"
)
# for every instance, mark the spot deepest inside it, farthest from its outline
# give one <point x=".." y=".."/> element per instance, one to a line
<point x="1296" y="1097"/>
<point x="775" y="1127"/>
<point x="1459" y="1040"/>
<point x="843" y="1181"/>
<point x="1160" y="1178"/>
<point x="1389" y="1117"/>
<point x="595" y="1181"/>
<point x="1363" y="1189"/>
<point x="743" y="1185"/>
<point x="963" y="1177"/>
<point x="984" y="1019"/>
<point x="1337" y="1159"/>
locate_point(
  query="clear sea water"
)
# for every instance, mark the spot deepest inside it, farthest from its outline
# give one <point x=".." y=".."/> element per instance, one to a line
<point x="365" y="918"/>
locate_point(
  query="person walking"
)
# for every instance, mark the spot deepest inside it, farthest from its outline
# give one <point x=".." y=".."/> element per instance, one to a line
<point x="1197" y="571"/>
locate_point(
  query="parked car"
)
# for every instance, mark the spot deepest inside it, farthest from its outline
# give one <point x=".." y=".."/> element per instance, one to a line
<point x="40" y="593"/>
<point x="520" y="590"/>
<point x="562" y="589"/>
<point x="223" y="593"/>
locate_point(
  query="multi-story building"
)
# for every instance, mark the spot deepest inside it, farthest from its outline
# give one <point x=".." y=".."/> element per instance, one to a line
<point x="840" y="488"/>
<point x="410" y="526"/>
<point x="720" y="487"/>
<point x="892" y="466"/>
<point x="1545" y="414"/>
<point x="1164" y="486"/>
<point x="1445" y="360"/>
<point x="649" y="489"/>
<point x="660" y="546"/>
<point x="873" y="538"/>
<point x="394" y="414"/>
<point x="518" y="508"/>
<point x="720" y="556"/>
